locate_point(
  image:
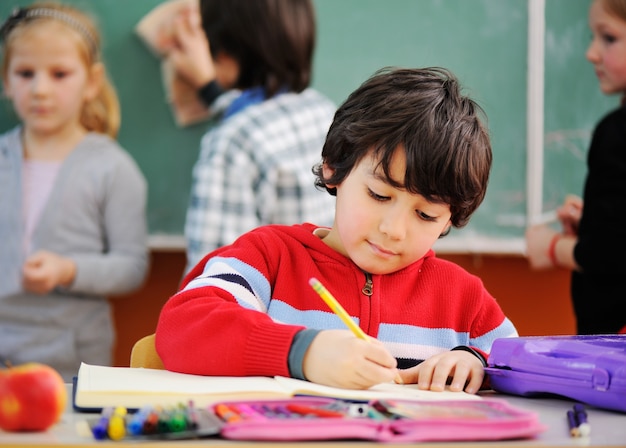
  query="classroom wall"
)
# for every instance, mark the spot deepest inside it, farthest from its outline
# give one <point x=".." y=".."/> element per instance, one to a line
<point x="486" y="43"/>
<point x="537" y="302"/>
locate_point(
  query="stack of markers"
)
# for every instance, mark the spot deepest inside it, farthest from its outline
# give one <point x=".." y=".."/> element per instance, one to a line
<point x="236" y="412"/>
<point x="116" y="423"/>
<point x="577" y="421"/>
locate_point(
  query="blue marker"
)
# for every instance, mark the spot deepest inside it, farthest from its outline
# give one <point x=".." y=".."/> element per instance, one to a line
<point x="99" y="430"/>
<point x="581" y="417"/>
<point x="135" y="426"/>
<point x="572" y="424"/>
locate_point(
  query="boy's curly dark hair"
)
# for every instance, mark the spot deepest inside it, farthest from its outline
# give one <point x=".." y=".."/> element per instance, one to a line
<point x="422" y="111"/>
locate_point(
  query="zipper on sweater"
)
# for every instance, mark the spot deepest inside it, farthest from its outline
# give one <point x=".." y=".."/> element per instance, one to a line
<point x="369" y="285"/>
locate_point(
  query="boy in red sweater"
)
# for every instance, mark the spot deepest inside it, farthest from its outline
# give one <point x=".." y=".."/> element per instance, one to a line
<point x="407" y="157"/>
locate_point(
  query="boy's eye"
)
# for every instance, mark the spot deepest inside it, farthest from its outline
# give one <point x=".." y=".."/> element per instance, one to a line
<point x="424" y="216"/>
<point x="376" y="197"/>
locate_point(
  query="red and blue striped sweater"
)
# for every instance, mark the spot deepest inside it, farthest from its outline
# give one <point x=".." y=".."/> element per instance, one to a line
<point x="240" y="308"/>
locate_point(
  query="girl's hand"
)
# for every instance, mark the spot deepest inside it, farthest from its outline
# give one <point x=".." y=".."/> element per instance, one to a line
<point x="338" y="358"/>
<point x="569" y="214"/>
<point x="465" y="370"/>
<point x="43" y="271"/>
<point x="538" y="240"/>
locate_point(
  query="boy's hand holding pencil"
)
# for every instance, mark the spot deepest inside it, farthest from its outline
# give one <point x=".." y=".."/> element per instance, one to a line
<point x="336" y="358"/>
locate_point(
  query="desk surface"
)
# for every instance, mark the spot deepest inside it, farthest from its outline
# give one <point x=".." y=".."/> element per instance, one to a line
<point x="607" y="429"/>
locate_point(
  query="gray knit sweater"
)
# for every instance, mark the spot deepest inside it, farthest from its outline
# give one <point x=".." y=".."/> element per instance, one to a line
<point x="95" y="215"/>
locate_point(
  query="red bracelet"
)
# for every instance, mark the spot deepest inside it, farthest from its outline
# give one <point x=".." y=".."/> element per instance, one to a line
<point x="552" y="249"/>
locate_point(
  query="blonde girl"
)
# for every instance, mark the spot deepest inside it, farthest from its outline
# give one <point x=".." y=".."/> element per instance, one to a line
<point x="72" y="201"/>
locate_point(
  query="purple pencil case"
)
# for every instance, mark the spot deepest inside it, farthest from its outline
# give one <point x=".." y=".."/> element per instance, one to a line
<point x="589" y="369"/>
<point x="379" y="420"/>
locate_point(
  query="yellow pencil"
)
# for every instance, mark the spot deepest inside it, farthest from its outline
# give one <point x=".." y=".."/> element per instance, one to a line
<point x="337" y="308"/>
<point x="341" y="313"/>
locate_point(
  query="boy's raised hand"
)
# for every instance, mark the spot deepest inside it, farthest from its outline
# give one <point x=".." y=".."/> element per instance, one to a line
<point x="465" y="369"/>
<point x="190" y="55"/>
<point x="338" y="358"/>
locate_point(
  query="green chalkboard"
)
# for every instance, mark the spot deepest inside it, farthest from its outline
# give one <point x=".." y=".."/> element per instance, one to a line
<point x="483" y="41"/>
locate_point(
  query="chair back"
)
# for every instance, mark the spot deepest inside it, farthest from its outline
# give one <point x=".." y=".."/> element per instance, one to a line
<point x="144" y="354"/>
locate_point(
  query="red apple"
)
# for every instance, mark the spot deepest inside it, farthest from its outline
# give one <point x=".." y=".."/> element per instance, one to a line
<point x="32" y="397"/>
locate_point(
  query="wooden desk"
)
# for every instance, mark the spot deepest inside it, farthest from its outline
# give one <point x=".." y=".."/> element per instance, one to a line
<point x="607" y="429"/>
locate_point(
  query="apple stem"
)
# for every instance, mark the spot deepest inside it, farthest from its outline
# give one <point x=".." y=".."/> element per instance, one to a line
<point x="8" y="363"/>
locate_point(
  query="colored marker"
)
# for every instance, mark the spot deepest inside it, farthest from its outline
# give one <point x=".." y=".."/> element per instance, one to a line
<point x="248" y="412"/>
<point x="573" y="424"/>
<point x="176" y="421"/>
<point x="281" y="412"/>
<point x="117" y="424"/>
<point x="381" y="407"/>
<point x="581" y="418"/>
<point x="162" y="421"/>
<point x="341" y="313"/>
<point x="150" y="423"/>
<point x="226" y="413"/>
<point x="135" y="426"/>
<point x="192" y="416"/>
<point x="312" y="410"/>
<point x="374" y="414"/>
<point x="99" y="430"/>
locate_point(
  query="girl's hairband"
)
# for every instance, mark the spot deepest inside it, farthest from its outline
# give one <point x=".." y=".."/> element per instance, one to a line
<point x="20" y="14"/>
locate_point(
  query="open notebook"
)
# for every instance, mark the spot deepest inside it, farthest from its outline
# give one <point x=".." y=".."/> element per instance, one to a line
<point x="99" y="386"/>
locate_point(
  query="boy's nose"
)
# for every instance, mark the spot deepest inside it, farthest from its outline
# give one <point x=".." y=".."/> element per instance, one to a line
<point x="394" y="224"/>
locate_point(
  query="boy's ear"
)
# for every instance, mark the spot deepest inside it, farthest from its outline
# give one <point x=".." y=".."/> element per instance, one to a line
<point x="328" y="172"/>
<point x="94" y="83"/>
<point x="227" y="70"/>
<point x="446" y="230"/>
